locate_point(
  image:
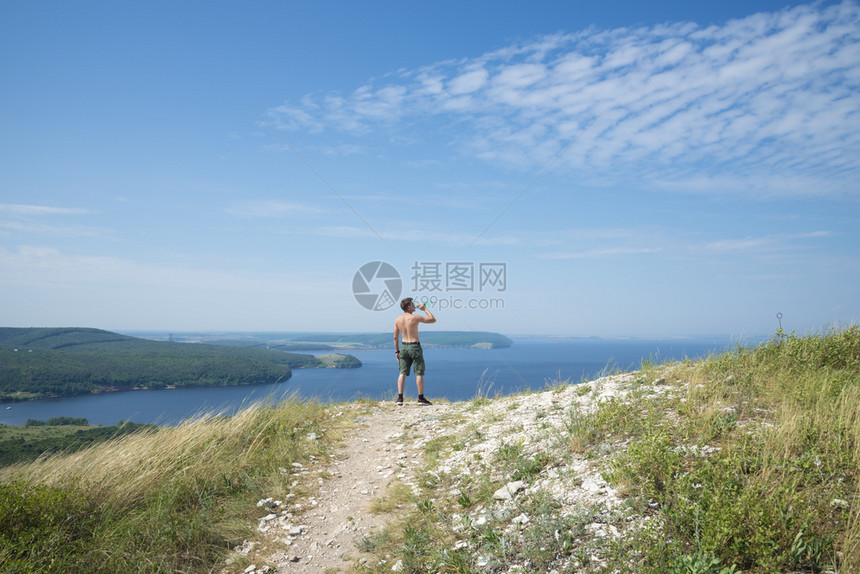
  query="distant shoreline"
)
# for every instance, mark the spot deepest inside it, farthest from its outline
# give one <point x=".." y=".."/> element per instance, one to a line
<point x="303" y="341"/>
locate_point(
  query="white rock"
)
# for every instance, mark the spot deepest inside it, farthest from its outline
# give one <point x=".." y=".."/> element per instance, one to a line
<point x="245" y="548"/>
<point x="250" y="568"/>
<point x="508" y="491"/>
<point x="398" y="566"/>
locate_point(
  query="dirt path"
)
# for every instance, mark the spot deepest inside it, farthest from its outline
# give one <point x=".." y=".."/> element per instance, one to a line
<point x="386" y="446"/>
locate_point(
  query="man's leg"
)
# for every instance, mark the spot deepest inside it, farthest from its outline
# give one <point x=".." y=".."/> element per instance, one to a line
<point x="401" y="382"/>
<point x="419" y="382"/>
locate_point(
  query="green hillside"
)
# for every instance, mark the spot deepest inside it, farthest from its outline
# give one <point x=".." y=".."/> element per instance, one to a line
<point x="60" y="338"/>
<point x="46" y="362"/>
<point x="61" y="434"/>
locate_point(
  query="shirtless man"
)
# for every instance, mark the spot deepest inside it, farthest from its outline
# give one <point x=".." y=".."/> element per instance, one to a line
<point x="407" y="325"/>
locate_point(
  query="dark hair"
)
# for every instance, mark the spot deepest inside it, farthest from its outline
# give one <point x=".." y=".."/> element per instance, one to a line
<point x="406" y="303"/>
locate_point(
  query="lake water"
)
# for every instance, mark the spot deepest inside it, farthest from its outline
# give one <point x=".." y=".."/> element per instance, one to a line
<point x="453" y="374"/>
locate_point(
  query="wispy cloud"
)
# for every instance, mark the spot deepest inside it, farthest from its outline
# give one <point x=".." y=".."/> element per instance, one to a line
<point x="670" y="243"/>
<point x="28" y="210"/>
<point x="771" y="99"/>
<point x="43" y="220"/>
<point x="41" y="228"/>
<point x="39" y="266"/>
<point x="775" y="242"/>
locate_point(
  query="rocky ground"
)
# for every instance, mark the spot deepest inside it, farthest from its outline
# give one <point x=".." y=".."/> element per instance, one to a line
<point x="386" y="450"/>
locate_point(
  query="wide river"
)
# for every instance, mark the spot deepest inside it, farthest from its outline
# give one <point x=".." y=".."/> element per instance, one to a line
<point x="453" y="374"/>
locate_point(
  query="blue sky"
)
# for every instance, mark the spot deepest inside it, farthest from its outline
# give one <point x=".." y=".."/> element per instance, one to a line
<point x="635" y="169"/>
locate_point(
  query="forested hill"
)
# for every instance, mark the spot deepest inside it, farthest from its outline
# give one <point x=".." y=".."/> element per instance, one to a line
<point x="45" y="362"/>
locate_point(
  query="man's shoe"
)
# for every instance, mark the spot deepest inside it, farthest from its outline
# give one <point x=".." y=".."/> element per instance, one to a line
<point x="399" y="401"/>
<point x="423" y="401"/>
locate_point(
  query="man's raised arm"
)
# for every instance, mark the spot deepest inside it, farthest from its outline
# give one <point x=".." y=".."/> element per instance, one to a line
<point x="430" y="318"/>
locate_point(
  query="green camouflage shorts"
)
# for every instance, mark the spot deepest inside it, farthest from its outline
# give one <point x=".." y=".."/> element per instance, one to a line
<point x="411" y="355"/>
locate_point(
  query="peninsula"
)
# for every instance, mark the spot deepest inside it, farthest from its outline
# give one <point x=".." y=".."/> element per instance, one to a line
<point x="40" y="363"/>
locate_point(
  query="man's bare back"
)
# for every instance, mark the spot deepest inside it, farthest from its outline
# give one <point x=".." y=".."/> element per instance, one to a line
<point x="406" y="325"/>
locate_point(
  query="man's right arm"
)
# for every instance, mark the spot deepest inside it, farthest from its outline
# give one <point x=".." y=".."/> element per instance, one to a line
<point x="430" y="318"/>
<point x="396" y="341"/>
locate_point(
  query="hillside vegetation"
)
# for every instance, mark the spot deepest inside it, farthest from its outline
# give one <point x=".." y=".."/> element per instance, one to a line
<point x="55" y="435"/>
<point x="747" y="461"/>
<point x="38" y="363"/>
<point x="164" y="499"/>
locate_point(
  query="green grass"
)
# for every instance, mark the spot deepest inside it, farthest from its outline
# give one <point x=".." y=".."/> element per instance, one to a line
<point x="29" y="433"/>
<point x="29" y="442"/>
<point x="784" y="417"/>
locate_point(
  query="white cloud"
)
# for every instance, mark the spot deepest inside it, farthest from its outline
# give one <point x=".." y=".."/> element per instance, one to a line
<point x="22" y="209"/>
<point x="42" y="220"/>
<point x="40" y="228"/>
<point x="46" y="266"/>
<point x="770" y="95"/>
<point x="768" y="243"/>
<point x="467" y="82"/>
